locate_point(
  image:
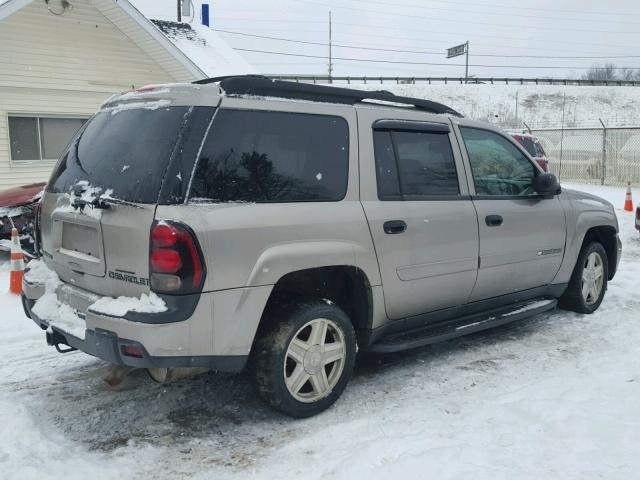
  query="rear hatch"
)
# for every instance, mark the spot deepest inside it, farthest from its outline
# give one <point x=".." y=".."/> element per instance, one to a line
<point x="100" y="202"/>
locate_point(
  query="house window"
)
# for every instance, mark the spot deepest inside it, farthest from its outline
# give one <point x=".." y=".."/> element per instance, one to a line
<point x="41" y="138"/>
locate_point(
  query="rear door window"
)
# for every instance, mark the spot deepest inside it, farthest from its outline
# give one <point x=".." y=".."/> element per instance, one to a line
<point x="260" y="156"/>
<point x="414" y="165"/>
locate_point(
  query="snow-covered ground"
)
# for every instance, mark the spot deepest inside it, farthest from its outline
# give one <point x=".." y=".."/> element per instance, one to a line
<point x="540" y="106"/>
<point x="555" y="396"/>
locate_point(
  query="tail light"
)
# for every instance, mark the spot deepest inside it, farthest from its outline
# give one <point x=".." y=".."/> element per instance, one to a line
<point x="176" y="265"/>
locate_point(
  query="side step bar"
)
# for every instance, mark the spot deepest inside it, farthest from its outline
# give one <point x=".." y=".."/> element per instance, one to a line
<point x="461" y="326"/>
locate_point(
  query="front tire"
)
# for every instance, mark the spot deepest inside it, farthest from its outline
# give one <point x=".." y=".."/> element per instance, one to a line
<point x="588" y="282"/>
<point x="304" y="359"/>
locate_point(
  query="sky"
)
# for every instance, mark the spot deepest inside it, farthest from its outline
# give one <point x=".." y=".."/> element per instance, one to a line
<point x="505" y="38"/>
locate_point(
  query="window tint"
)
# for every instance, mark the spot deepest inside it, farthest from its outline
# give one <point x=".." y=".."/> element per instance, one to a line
<point x="386" y="167"/>
<point x="530" y="147"/>
<point x="539" y="150"/>
<point x="414" y="164"/>
<point x="498" y="167"/>
<point x="124" y="150"/>
<point x="257" y="156"/>
<point x="35" y="138"/>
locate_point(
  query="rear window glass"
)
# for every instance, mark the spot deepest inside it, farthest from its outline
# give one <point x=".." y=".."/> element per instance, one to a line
<point x="258" y="156"/>
<point x="124" y="150"/>
<point x="532" y="146"/>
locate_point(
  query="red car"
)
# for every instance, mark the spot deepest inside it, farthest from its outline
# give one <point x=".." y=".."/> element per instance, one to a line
<point x="532" y="145"/>
<point x="18" y="207"/>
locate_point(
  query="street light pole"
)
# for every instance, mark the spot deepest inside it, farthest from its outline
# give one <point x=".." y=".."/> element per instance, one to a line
<point x="466" y="67"/>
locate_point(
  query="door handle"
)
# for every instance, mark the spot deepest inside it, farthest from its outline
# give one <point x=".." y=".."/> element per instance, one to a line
<point x="394" y="226"/>
<point x="493" y="220"/>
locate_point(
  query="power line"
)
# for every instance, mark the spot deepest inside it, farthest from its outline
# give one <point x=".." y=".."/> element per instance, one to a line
<point x="465" y="3"/>
<point x="422" y="52"/>
<point x="324" y="44"/>
<point x="441" y="33"/>
<point x="544" y="17"/>
<point x="545" y="9"/>
<point x="520" y="27"/>
<point x="426" y="63"/>
<point x="377" y="35"/>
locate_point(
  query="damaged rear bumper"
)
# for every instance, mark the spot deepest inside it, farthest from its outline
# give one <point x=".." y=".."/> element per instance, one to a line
<point x="114" y="348"/>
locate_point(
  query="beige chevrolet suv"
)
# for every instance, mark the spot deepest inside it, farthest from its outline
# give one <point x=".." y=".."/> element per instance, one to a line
<point x="282" y="226"/>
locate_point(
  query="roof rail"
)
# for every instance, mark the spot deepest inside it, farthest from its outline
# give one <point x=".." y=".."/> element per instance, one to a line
<point x="264" y="86"/>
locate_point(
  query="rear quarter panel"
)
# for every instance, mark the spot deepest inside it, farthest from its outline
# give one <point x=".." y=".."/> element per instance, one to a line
<point x="249" y="245"/>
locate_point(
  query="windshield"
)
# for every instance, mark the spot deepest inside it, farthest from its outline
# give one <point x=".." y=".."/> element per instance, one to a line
<point x="123" y="150"/>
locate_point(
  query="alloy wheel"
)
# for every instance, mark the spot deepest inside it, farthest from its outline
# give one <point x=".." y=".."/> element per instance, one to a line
<point x="592" y="278"/>
<point x="314" y="360"/>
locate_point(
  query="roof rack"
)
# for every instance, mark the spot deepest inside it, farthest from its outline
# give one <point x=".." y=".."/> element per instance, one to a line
<point x="264" y="86"/>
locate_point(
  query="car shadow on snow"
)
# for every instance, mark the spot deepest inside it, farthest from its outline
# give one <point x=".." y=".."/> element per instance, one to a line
<point x="219" y="412"/>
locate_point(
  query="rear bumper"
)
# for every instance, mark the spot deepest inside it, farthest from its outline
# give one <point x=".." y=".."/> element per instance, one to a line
<point x="218" y="334"/>
<point x="108" y="346"/>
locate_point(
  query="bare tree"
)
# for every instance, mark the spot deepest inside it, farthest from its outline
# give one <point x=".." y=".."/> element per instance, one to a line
<point x="609" y="71"/>
<point x="628" y="74"/>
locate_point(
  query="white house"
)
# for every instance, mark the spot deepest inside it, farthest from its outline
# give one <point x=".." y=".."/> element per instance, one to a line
<point x="60" y="59"/>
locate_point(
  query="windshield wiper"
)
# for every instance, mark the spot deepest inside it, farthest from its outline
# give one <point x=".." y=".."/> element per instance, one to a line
<point x="101" y="203"/>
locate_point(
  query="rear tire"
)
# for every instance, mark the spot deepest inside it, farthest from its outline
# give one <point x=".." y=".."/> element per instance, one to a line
<point x="303" y="360"/>
<point x="588" y="282"/>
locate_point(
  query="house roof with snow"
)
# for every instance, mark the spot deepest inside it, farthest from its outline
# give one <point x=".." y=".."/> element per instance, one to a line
<point x="205" y="48"/>
<point x="195" y="48"/>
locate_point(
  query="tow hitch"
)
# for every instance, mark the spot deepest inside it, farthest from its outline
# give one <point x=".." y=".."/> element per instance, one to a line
<point x="56" y="339"/>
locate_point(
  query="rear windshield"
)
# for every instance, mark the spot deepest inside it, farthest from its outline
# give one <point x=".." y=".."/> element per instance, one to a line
<point x="126" y="150"/>
<point x="260" y="156"/>
<point x="532" y="146"/>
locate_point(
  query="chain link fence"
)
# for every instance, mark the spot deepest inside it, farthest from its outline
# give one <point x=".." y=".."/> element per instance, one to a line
<point x="605" y="156"/>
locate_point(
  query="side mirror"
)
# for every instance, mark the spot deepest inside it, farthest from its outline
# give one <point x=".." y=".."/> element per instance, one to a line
<point x="546" y="184"/>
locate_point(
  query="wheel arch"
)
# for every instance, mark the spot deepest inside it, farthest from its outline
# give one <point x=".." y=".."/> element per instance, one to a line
<point x="605" y="235"/>
<point x="347" y="286"/>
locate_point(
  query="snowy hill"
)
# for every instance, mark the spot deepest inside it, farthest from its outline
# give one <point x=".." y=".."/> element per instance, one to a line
<point x="540" y="106"/>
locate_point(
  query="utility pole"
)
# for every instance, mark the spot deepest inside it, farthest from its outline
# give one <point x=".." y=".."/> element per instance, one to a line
<point x="179" y="10"/>
<point x="330" y="58"/>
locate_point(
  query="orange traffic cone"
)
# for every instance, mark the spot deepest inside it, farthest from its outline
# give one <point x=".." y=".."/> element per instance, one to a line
<point x="17" y="263"/>
<point x="628" y="202"/>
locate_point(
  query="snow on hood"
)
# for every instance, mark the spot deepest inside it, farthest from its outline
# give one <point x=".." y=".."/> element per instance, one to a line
<point x="205" y="48"/>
